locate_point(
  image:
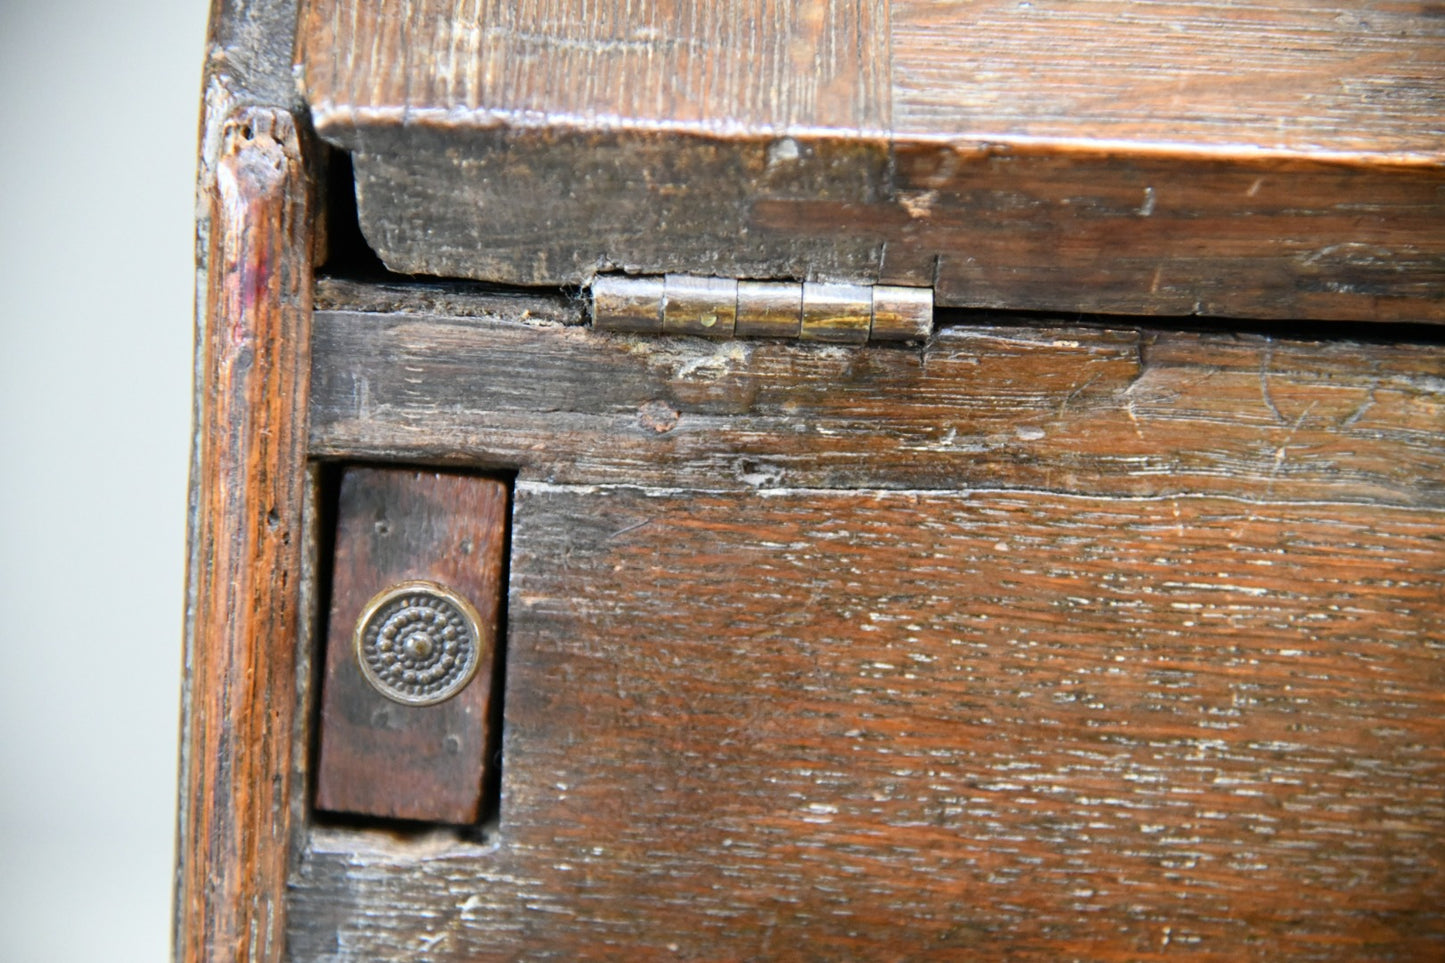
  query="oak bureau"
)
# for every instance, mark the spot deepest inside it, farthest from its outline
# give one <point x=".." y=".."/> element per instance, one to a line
<point x="818" y="480"/>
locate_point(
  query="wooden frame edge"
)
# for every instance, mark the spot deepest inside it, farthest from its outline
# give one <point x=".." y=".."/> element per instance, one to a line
<point x="245" y="591"/>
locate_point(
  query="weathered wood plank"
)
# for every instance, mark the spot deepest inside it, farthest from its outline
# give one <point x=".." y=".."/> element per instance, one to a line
<point x="1282" y="160"/>
<point x="247" y="535"/>
<point x="1366" y="76"/>
<point x="836" y="725"/>
<point x="443" y="202"/>
<point x="745" y="65"/>
<point x="377" y="756"/>
<point x="1119" y="230"/>
<point x="1060" y="408"/>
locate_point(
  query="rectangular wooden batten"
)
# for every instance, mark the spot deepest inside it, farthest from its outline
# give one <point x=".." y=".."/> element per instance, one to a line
<point x="1281" y="160"/>
<point x="412" y="645"/>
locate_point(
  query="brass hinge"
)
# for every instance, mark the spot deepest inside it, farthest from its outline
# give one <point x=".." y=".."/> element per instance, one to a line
<point x="729" y="308"/>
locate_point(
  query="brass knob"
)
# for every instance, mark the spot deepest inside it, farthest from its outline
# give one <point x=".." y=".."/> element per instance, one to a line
<point x="418" y="643"/>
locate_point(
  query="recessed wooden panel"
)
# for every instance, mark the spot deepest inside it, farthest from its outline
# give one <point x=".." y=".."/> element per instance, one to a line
<point x="1030" y="643"/>
<point x="378" y="756"/>
<point x="1020" y="725"/>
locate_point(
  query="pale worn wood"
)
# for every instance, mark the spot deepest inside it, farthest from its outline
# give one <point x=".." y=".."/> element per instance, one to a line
<point x="1059" y="408"/>
<point x="922" y="725"/>
<point x="247" y="538"/>
<point x="454" y="299"/>
<point x="1364" y="77"/>
<point x="1281" y="160"/>
<point x="375" y="756"/>
<point x="1289" y="75"/>
<point x="740" y="65"/>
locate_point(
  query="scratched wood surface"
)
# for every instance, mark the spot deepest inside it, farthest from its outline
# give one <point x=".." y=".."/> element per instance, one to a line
<point x="1280" y="160"/>
<point x="1044" y="642"/>
<point x="921" y="725"/>
<point x="1365" y="77"/>
<point x="376" y="756"/>
<point x="746" y="64"/>
<point x="1068" y="408"/>
<point x="244" y="607"/>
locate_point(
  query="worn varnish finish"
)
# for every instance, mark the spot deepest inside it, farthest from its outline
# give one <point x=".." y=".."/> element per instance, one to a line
<point x="1162" y="158"/>
<point x="1031" y="643"/>
<point x="1352" y="77"/>
<point x="378" y="757"/>
<point x="748" y="64"/>
<point x="245" y="570"/>
<point x="1074" y="409"/>
<point x="899" y="725"/>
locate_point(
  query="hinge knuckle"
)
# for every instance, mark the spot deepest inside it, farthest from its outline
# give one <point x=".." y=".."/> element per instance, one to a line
<point x="627" y="304"/>
<point x="698" y="305"/>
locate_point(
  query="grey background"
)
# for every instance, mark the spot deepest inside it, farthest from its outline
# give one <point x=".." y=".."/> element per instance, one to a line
<point x="98" y="117"/>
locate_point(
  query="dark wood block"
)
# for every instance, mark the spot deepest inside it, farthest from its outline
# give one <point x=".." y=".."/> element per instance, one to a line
<point x="380" y="756"/>
<point x="1033" y="642"/>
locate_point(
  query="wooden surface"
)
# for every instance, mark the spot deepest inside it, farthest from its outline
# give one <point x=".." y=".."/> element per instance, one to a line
<point x="378" y="757"/>
<point x="1282" y="160"/>
<point x="915" y="725"/>
<point x="244" y="608"/>
<point x="1060" y="408"/>
<point x="1046" y="642"/>
<point x="1286" y="75"/>
<point x="748" y="64"/>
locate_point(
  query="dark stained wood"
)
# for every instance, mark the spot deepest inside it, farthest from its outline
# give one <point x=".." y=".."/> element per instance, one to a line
<point x="247" y="536"/>
<point x="1032" y="643"/>
<point x="1038" y="641"/>
<point x="1060" y="408"/>
<point x="641" y="202"/>
<point x="922" y="725"/>
<point x="1157" y="231"/>
<point x="379" y="757"/>
<point x="1281" y="160"/>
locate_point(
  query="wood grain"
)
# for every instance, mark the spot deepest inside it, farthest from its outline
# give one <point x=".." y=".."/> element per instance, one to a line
<point x="1067" y="408"/>
<point x="1280" y="161"/>
<point x="1045" y="642"/>
<point x="909" y="725"/>
<point x="1290" y="75"/>
<point x="745" y="65"/>
<point x="247" y="535"/>
<point x="378" y="757"/>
